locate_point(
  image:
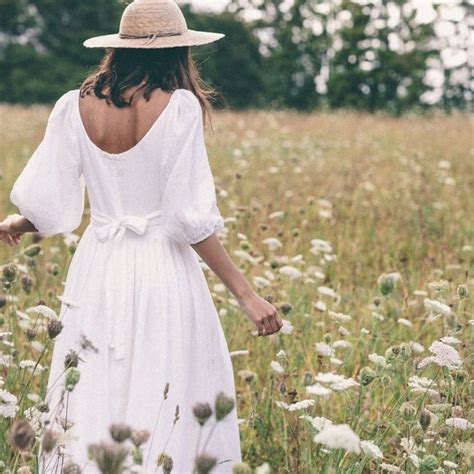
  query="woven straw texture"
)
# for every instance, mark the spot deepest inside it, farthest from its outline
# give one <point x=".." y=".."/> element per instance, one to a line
<point x="153" y="24"/>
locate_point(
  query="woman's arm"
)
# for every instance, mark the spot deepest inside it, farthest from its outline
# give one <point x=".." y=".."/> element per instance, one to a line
<point x="264" y="315"/>
<point x="13" y="227"/>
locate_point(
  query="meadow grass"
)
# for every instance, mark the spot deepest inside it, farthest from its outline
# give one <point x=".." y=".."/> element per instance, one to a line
<point x="360" y="229"/>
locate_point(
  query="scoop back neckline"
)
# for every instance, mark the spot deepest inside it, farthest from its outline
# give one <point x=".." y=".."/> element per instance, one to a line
<point x="134" y="147"/>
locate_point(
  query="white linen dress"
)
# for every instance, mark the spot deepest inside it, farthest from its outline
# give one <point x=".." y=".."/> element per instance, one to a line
<point x="135" y="287"/>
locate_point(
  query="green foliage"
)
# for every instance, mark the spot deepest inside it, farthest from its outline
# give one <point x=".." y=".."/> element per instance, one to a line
<point x="301" y="54"/>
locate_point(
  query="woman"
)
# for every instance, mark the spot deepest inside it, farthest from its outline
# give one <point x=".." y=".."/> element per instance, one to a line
<point x="135" y="291"/>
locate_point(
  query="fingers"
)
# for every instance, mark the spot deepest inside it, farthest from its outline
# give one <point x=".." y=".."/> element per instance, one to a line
<point x="271" y="323"/>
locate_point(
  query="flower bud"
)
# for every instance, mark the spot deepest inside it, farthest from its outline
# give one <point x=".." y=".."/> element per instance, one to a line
<point x="55" y="326"/>
<point x="22" y="435"/>
<point x="308" y="379"/>
<point x="202" y="412"/>
<point x="408" y="411"/>
<point x="367" y="376"/>
<point x="425" y="419"/>
<point x="205" y="463"/>
<point x="71" y="359"/>
<point x="241" y="468"/>
<point x="120" y="432"/>
<point x="52" y="268"/>
<point x="32" y="250"/>
<point x="166" y="462"/>
<point x="72" y="378"/>
<point x="223" y="406"/>
<point x="286" y="308"/>
<point x="9" y="273"/>
<point x="139" y="437"/>
<point x="429" y="463"/>
<point x="463" y="292"/>
<point x="71" y="468"/>
<point x="405" y="350"/>
<point x="26" y="283"/>
<point x="49" y="440"/>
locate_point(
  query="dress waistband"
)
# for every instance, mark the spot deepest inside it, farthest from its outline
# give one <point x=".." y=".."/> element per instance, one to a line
<point x="107" y="227"/>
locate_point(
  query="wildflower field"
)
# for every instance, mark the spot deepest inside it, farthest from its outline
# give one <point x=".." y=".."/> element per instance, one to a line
<point x="360" y="229"/>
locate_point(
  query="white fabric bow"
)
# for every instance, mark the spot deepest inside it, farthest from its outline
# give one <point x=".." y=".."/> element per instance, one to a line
<point x="106" y="227"/>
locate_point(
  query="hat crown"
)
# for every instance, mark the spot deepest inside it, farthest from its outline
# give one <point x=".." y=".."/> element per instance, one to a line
<point x="152" y="17"/>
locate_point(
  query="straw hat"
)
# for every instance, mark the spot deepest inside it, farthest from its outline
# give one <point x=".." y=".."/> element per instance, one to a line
<point x="152" y="24"/>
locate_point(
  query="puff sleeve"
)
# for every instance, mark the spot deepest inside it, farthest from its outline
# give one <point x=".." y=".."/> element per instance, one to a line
<point x="189" y="203"/>
<point x="50" y="190"/>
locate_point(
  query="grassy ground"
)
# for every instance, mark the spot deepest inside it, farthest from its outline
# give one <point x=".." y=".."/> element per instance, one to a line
<point x="391" y="199"/>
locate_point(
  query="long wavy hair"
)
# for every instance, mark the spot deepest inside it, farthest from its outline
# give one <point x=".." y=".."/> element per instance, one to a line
<point x="149" y="69"/>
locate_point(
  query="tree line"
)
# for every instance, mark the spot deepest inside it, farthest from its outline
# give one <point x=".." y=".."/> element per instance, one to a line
<point x="304" y="54"/>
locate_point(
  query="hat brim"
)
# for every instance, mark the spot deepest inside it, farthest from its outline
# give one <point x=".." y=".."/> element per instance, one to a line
<point x="189" y="38"/>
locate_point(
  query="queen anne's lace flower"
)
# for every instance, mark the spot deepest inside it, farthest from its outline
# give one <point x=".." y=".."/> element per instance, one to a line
<point x="443" y="355"/>
<point x="438" y="308"/>
<point x="339" y="437"/>
<point x="371" y="449"/>
<point x="8" y="404"/>
<point x="460" y="423"/>
<point x="301" y="405"/>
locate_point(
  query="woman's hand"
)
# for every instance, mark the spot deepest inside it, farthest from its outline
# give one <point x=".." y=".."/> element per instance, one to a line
<point x="262" y="313"/>
<point x="7" y="232"/>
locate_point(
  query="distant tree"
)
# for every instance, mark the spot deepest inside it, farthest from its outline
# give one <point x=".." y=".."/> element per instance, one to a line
<point x="294" y="40"/>
<point x="381" y="63"/>
<point x="233" y="65"/>
<point x="39" y="64"/>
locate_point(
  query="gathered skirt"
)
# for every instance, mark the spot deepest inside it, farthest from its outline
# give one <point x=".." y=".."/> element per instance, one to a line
<point x="139" y="314"/>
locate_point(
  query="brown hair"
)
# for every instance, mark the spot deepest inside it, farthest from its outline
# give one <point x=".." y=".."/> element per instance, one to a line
<point x="165" y="68"/>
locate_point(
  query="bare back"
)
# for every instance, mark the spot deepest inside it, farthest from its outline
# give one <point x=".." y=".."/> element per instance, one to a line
<point x="116" y="130"/>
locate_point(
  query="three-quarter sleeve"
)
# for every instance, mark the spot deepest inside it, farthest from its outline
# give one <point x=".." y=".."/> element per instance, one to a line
<point x="50" y="190"/>
<point x="189" y="202"/>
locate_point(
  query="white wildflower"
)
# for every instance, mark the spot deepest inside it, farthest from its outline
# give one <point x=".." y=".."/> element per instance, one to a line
<point x="371" y="449"/>
<point x="437" y="308"/>
<point x="379" y="360"/>
<point x="404" y="322"/>
<point x="339" y="317"/>
<point x="272" y="243"/>
<point x="318" y="390"/>
<point x="261" y="282"/>
<point x="318" y="422"/>
<point x="320" y="246"/>
<point x="417" y="347"/>
<point x="8" y="404"/>
<point x="320" y="306"/>
<point x="389" y="467"/>
<point x="43" y="310"/>
<point x="341" y="344"/>
<point x="263" y="469"/>
<point x="450" y="340"/>
<point x="326" y="291"/>
<point x="239" y="352"/>
<point x="301" y="405"/>
<point x="459" y="423"/>
<point x="339" y="437"/>
<point x="324" y="349"/>
<point x="291" y="272"/>
<point x="30" y="365"/>
<point x="277" y="367"/>
<point x="287" y="327"/>
<point x="336" y="382"/>
<point x="443" y="355"/>
<point x="70" y="239"/>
